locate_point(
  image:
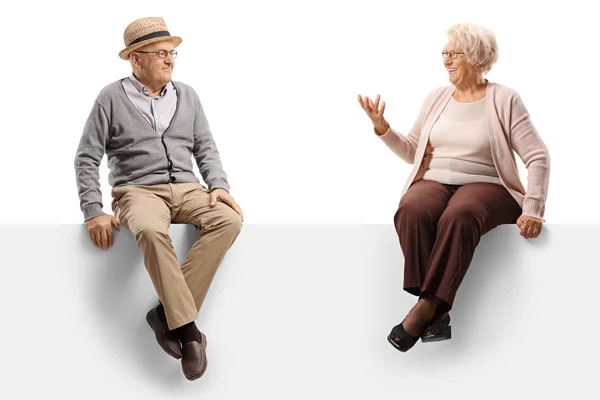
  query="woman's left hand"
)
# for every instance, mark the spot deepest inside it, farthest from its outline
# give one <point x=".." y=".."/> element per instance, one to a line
<point x="530" y="226"/>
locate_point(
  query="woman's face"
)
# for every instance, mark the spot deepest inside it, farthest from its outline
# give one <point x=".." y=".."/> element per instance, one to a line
<point x="459" y="70"/>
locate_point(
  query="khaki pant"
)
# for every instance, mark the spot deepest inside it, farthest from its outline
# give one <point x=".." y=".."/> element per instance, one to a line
<point x="147" y="211"/>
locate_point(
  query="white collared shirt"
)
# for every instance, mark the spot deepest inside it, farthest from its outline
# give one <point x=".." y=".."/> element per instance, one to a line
<point x="159" y="110"/>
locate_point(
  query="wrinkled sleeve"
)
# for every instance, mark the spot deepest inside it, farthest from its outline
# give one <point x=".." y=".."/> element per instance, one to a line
<point x="529" y="146"/>
<point x="206" y="153"/>
<point x="90" y="151"/>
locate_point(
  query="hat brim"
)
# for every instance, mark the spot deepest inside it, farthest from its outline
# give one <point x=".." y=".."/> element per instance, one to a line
<point x="124" y="54"/>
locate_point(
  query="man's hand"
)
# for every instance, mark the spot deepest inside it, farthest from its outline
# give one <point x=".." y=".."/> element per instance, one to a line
<point x="530" y="226"/>
<point x="100" y="229"/>
<point x="223" y="196"/>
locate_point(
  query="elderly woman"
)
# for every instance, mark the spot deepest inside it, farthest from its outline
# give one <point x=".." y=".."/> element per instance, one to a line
<point x="465" y="181"/>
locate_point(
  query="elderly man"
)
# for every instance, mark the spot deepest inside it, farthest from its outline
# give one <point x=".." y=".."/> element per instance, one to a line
<point x="150" y="127"/>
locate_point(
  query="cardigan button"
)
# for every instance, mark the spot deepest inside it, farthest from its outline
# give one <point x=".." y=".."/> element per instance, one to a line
<point x="172" y="178"/>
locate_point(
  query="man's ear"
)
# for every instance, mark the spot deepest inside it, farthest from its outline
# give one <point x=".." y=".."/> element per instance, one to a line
<point x="133" y="57"/>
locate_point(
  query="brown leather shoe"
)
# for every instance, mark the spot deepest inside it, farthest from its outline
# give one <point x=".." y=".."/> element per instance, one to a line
<point x="165" y="338"/>
<point x="194" y="360"/>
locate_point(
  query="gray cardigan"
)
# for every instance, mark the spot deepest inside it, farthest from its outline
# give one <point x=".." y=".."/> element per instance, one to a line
<point x="137" y="154"/>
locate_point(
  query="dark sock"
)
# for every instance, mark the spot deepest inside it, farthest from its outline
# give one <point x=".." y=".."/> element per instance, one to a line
<point x="188" y="333"/>
<point x="161" y="312"/>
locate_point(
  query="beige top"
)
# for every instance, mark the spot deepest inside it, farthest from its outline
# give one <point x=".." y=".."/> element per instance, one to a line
<point x="461" y="146"/>
<point x="511" y="133"/>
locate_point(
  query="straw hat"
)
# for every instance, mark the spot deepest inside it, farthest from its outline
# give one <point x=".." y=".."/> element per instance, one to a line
<point x="144" y="31"/>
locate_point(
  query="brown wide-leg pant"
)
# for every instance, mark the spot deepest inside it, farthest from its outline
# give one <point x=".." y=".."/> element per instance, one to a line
<point x="147" y="211"/>
<point x="439" y="227"/>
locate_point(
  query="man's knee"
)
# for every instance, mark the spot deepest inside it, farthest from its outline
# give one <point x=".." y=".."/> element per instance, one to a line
<point x="231" y="221"/>
<point x="150" y="233"/>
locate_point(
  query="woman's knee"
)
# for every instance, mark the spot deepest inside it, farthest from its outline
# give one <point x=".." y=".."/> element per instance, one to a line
<point x="464" y="215"/>
<point x="410" y="212"/>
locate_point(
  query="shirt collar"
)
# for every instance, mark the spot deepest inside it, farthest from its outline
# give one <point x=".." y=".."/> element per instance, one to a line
<point x="144" y="90"/>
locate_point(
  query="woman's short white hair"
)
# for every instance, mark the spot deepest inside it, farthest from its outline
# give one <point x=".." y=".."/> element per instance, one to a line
<point x="478" y="42"/>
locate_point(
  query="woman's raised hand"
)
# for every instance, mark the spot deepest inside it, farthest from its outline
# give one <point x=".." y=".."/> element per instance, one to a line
<point x="374" y="110"/>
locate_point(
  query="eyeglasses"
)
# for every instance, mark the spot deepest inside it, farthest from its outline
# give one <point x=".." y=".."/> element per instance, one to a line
<point x="160" y="53"/>
<point x="453" y="54"/>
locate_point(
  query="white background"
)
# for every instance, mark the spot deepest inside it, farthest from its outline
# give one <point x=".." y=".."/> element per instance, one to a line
<point x="279" y="81"/>
<point x="295" y="312"/>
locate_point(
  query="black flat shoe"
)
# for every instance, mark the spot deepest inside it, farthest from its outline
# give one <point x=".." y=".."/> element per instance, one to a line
<point x="438" y="331"/>
<point x="407" y="341"/>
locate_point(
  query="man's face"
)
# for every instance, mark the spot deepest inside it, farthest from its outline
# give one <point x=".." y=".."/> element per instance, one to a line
<point x="150" y="67"/>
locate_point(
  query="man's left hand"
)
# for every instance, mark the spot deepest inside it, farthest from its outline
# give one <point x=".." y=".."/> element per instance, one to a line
<point x="530" y="226"/>
<point x="223" y="196"/>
